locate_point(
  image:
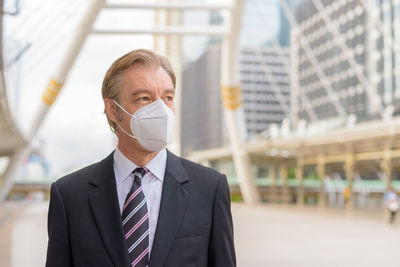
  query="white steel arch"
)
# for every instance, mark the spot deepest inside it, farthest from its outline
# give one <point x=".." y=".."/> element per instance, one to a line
<point x="51" y="92"/>
<point x="233" y="112"/>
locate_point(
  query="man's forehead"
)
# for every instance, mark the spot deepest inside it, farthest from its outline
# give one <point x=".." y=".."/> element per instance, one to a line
<point x="142" y="66"/>
<point x="139" y="81"/>
<point x="138" y="91"/>
<point x="141" y="71"/>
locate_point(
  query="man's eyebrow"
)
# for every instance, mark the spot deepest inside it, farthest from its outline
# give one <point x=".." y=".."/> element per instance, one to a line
<point x="141" y="91"/>
<point x="170" y="91"/>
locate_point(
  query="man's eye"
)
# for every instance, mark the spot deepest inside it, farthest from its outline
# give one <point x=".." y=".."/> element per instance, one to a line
<point x="169" y="98"/>
<point x="144" y="98"/>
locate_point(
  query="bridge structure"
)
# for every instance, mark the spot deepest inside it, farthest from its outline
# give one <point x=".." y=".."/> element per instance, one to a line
<point x="13" y="141"/>
<point x="342" y="149"/>
<point x="167" y="32"/>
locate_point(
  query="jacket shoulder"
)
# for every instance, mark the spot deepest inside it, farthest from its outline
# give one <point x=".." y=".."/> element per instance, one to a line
<point x="77" y="178"/>
<point x="83" y="176"/>
<point x="200" y="173"/>
<point x="188" y="164"/>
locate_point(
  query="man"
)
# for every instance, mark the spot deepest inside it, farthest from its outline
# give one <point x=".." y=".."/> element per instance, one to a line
<point x="142" y="205"/>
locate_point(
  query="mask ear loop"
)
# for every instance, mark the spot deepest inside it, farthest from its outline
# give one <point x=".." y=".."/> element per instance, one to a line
<point x="123" y="130"/>
<point x="116" y="103"/>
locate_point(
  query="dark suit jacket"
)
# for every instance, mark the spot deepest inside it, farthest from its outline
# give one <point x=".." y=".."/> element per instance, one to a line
<point x="194" y="226"/>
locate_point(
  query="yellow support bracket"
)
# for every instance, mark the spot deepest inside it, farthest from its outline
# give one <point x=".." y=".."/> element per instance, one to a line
<point x="231" y="97"/>
<point x="51" y="92"/>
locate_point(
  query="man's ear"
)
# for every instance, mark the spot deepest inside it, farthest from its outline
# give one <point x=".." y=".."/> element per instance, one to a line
<point x="111" y="109"/>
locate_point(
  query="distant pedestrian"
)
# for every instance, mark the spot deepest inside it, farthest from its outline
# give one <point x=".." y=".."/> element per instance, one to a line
<point x="392" y="203"/>
<point x="346" y="195"/>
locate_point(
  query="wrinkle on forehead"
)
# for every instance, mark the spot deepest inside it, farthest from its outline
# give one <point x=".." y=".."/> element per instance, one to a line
<point x="147" y="79"/>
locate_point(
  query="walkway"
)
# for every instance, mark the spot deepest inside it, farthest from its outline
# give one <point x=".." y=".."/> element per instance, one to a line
<point x="9" y="213"/>
<point x="278" y="236"/>
<point x="288" y="236"/>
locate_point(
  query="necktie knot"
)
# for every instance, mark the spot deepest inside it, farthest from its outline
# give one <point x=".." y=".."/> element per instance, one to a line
<point x="138" y="174"/>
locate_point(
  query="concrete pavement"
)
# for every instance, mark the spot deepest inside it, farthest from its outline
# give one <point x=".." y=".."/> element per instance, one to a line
<point x="289" y="236"/>
<point x="9" y="213"/>
<point x="278" y="236"/>
<point x="29" y="236"/>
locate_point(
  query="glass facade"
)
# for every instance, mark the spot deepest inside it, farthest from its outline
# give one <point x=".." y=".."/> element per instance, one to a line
<point x="265" y="86"/>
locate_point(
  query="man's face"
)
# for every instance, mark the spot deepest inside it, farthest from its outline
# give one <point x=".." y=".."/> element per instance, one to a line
<point x="142" y="85"/>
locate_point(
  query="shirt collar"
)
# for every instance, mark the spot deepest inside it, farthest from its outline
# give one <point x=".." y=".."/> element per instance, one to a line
<point x="158" y="164"/>
<point x="124" y="167"/>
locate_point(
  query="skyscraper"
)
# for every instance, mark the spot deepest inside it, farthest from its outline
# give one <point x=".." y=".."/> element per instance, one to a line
<point x="345" y="61"/>
<point x="386" y="15"/>
<point x="265" y="91"/>
<point x="265" y="84"/>
<point x="202" y="118"/>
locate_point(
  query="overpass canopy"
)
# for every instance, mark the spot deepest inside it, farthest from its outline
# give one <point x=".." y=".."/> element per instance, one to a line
<point x="11" y="138"/>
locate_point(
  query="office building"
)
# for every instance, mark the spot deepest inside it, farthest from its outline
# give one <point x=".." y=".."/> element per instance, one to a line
<point x="325" y="66"/>
<point x="265" y="88"/>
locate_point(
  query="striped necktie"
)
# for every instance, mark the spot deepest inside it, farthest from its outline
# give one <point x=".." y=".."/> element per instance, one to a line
<point x="135" y="221"/>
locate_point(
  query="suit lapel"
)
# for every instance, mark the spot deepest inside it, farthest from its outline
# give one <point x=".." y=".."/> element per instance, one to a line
<point x="175" y="196"/>
<point x="104" y="204"/>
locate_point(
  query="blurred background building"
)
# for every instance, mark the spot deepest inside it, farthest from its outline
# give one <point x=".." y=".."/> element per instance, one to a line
<point x="350" y="95"/>
<point x="202" y="118"/>
<point x="266" y="95"/>
<point x="361" y="73"/>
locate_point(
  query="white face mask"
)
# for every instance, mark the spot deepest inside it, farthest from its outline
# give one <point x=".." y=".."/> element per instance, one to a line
<point x="151" y="125"/>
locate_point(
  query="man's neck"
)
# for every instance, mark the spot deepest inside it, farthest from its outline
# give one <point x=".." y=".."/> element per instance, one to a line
<point x="137" y="156"/>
